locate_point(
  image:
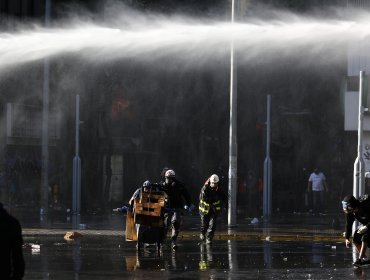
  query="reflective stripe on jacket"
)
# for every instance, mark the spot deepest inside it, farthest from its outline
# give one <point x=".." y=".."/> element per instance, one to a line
<point x="205" y="207"/>
<point x="211" y="200"/>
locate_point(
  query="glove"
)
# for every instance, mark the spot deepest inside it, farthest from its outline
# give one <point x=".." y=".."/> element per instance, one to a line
<point x="189" y="208"/>
<point x="362" y="229"/>
<point x="123" y="209"/>
<point x="192" y="207"/>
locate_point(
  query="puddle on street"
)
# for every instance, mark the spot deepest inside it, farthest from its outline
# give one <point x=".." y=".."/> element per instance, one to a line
<point x="103" y="257"/>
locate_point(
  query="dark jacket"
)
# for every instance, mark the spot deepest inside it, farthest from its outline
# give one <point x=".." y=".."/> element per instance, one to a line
<point x="211" y="200"/>
<point x="178" y="196"/>
<point x="11" y="254"/>
<point x="362" y="215"/>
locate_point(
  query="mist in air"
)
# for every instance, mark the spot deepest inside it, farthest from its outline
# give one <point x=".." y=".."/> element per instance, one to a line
<point x="132" y="34"/>
<point x="155" y="91"/>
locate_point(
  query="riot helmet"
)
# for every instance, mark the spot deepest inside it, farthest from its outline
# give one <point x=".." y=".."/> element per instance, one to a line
<point x="147" y="185"/>
<point x="169" y="176"/>
<point x="349" y="204"/>
<point x="213" y="180"/>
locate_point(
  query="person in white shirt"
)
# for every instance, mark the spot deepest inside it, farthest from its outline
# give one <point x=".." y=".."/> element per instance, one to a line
<point x="317" y="184"/>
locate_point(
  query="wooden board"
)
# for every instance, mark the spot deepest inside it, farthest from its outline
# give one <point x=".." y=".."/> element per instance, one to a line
<point x="149" y="204"/>
<point x="155" y="198"/>
<point x="131" y="234"/>
<point x="149" y="209"/>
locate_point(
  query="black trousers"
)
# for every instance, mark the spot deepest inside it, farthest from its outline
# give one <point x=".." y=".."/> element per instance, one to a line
<point x="208" y="224"/>
<point x="172" y="220"/>
<point x="318" y="201"/>
<point x="358" y="238"/>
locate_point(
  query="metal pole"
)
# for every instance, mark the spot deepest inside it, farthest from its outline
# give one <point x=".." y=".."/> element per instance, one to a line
<point x="358" y="172"/>
<point x="233" y="157"/>
<point x="267" y="166"/>
<point x="358" y="169"/>
<point x="76" y="195"/>
<point x="44" y="199"/>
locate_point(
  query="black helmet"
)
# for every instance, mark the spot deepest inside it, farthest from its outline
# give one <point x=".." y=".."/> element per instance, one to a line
<point x="349" y="203"/>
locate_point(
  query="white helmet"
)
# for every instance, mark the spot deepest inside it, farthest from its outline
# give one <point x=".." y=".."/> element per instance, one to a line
<point x="214" y="180"/>
<point x="169" y="173"/>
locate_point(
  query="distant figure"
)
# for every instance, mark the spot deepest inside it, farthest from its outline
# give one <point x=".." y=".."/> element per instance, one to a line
<point x="211" y="201"/>
<point x="317" y="184"/>
<point x="11" y="254"/>
<point x="358" y="209"/>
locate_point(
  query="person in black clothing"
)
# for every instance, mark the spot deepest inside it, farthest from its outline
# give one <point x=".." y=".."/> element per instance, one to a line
<point x="358" y="209"/>
<point x="11" y="255"/>
<point x="177" y="194"/>
<point x="211" y="201"/>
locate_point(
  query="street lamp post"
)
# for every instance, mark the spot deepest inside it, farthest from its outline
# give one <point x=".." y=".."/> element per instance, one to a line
<point x="44" y="197"/>
<point x="359" y="170"/>
<point x="359" y="165"/>
<point x="76" y="195"/>
<point x="233" y="150"/>
<point x="267" y="167"/>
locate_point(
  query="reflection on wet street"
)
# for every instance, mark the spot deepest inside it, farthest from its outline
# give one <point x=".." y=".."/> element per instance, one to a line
<point x="102" y="257"/>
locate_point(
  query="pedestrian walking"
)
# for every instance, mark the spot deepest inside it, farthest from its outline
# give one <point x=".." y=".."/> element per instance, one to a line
<point x="211" y="201"/>
<point x="317" y="185"/>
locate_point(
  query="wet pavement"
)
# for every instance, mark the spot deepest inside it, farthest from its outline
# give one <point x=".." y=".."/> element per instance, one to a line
<point x="297" y="246"/>
<point x="95" y="257"/>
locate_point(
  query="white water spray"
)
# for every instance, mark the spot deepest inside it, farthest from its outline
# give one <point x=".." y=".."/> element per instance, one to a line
<point x="193" y="40"/>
